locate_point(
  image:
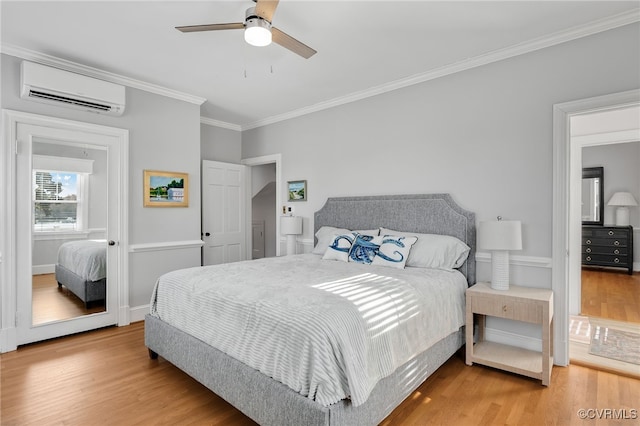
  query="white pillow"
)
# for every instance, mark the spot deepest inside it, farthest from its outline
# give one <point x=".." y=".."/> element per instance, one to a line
<point x="394" y="251"/>
<point x="340" y="247"/>
<point x="434" y="251"/>
<point x="325" y="236"/>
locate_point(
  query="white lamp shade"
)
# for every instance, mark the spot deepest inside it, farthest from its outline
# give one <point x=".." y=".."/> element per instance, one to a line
<point x="291" y="225"/>
<point x="500" y="235"/>
<point x="622" y="199"/>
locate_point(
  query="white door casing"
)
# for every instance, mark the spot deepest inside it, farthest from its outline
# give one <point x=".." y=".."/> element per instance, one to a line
<point x="16" y="274"/>
<point x="223" y="212"/>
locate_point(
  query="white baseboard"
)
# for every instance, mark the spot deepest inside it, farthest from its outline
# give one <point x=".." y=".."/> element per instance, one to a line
<point x="137" y="313"/>
<point x="43" y="269"/>
<point x="506" y="338"/>
<point x="8" y="339"/>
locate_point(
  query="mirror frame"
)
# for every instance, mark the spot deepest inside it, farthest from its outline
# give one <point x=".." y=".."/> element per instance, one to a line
<point x="596" y="172"/>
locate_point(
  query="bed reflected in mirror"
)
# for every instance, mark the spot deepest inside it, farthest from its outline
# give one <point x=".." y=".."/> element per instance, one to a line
<point x="592" y="196"/>
<point x="69" y="194"/>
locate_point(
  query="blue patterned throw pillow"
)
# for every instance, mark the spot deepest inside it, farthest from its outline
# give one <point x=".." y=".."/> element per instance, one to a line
<point x="394" y="251"/>
<point x="364" y="249"/>
<point x="340" y="247"/>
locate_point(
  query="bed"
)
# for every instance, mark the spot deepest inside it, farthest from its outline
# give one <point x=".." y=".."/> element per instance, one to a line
<point x="82" y="269"/>
<point x="255" y="385"/>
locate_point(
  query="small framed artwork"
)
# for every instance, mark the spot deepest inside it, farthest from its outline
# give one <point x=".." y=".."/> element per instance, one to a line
<point x="297" y="190"/>
<point x="165" y="189"/>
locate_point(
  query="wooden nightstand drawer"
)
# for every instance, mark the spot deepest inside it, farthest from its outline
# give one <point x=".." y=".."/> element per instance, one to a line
<point x="504" y="307"/>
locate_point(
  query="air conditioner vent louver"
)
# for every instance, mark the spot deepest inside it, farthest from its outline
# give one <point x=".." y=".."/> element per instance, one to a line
<point x="42" y="95"/>
<point x="54" y="86"/>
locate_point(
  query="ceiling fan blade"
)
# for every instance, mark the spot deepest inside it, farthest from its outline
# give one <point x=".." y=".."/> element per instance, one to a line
<point x="266" y="8"/>
<point x="288" y="42"/>
<point x="211" y="27"/>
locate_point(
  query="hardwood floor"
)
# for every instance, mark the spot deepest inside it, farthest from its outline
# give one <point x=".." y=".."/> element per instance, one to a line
<point x="53" y="303"/>
<point x="610" y="294"/>
<point x="609" y="298"/>
<point x="105" y="377"/>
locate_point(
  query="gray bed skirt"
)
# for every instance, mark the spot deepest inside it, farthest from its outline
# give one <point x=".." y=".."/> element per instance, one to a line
<point x="269" y="402"/>
<point x="87" y="291"/>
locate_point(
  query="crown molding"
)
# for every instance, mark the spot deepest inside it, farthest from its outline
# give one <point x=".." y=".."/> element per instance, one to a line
<point x="559" y="37"/>
<point x="42" y="58"/>
<point x="217" y="123"/>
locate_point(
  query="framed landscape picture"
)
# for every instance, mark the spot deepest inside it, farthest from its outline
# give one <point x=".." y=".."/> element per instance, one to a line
<point x="297" y="190"/>
<point x="165" y="189"/>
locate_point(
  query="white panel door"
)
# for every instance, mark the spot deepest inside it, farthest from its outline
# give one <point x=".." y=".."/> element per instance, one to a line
<point x="223" y="212"/>
<point x="27" y="330"/>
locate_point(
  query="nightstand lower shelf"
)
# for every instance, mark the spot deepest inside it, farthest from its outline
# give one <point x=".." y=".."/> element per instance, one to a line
<point x="509" y="358"/>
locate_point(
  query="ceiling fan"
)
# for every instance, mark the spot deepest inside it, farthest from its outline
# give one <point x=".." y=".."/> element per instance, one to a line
<point x="258" y="30"/>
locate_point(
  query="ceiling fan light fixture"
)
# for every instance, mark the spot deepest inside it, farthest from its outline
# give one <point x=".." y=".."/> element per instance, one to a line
<point x="257" y="32"/>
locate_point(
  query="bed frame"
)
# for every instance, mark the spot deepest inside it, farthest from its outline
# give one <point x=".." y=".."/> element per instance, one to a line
<point x="269" y="402"/>
<point x="86" y="290"/>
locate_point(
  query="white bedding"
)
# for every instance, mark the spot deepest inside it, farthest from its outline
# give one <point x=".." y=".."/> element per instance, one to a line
<point x="329" y="330"/>
<point x="85" y="258"/>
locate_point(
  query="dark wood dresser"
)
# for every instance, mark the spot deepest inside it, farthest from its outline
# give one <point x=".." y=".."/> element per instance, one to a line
<point x="608" y="246"/>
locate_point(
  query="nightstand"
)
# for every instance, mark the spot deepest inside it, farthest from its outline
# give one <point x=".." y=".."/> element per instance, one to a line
<point x="526" y="304"/>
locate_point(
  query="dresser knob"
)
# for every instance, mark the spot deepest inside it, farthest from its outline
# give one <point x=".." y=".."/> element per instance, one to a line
<point x="610" y="232"/>
<point x="588" y="250"/>
<point x="616" y="260"/>
<point x="589" y="258"/>
<point x="616" y="243"/>
<point x="504" y="308"/>
<point x="588" y="241"/>
<point x="616" y="251"/>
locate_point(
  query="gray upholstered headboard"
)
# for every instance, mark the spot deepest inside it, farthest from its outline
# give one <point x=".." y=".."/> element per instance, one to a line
<point x="423" y="213"/>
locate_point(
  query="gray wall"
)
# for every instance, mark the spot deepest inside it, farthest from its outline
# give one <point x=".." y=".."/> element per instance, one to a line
<point x="164" y="134"/>
<point x="621" y="164"/>
<point x="219" y="144"/>
<point x="484" y="135"/>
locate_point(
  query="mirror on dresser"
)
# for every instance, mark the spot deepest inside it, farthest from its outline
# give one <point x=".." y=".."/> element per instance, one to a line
<point x="593" y="196"/>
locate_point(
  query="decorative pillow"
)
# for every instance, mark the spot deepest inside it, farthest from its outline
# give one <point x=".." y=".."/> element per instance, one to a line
<point x="435" y="251"/>
<point x="370" y="232"/>
<point x="340" y="247"/>
<point x="326" y="235"/>
<point x="364" y="249"/>
<point x="394" y="251"/>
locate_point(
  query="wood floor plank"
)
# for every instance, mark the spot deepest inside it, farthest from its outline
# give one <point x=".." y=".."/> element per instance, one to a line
<point x="105" y="377"/>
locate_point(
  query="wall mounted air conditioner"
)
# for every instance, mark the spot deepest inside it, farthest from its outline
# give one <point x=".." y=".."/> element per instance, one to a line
<point x="54" y="86"/>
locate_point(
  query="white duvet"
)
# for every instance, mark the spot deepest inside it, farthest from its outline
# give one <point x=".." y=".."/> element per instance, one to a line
<point x="86" y="258"/>
<point x="329" y="330"/>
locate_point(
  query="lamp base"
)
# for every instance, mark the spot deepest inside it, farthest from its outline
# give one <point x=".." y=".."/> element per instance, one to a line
<point x="622" y="216"/>
<point x="291" y="244"/>
<point x="500" y="270"/>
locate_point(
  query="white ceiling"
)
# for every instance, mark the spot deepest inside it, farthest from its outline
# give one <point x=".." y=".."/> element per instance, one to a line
<point x="364" y="47"/>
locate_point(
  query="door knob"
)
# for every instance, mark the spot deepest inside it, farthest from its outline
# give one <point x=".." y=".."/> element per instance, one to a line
<point x="112" y="243"/>
<point x="207" y="234"/>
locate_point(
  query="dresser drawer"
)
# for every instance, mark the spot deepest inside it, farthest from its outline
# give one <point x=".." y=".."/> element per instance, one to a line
<point x="610" y="233"/>
<point x="507" y="308"/>
<point x="612" y="242"/>
<point x="611" y="250"/>
<point x="603" y="259"/>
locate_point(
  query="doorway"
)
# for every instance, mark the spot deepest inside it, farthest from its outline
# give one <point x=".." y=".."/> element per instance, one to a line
<point x="68" y="184"/>
<point x="566" y="233"/>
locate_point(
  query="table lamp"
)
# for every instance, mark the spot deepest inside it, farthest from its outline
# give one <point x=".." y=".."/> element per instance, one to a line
<point x="622" y="200"/>
<point x="291" y="226"/>
<point x="500" y="236"/>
